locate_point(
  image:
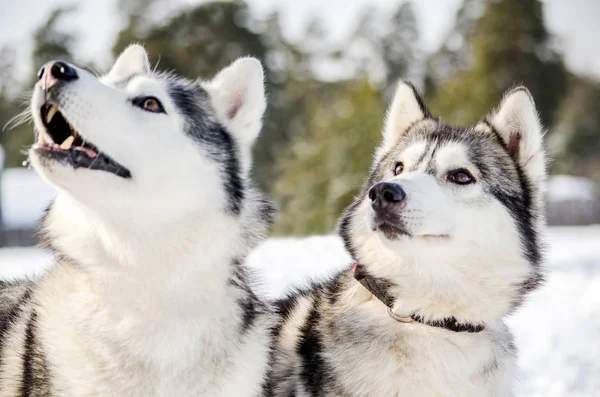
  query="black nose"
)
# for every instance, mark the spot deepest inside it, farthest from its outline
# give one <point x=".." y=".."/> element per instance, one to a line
<point x="386" y="194"/>
<point x="60" y="71"/>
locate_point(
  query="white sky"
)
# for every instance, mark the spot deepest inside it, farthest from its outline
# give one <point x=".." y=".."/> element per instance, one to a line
<point x="576" y="24"/>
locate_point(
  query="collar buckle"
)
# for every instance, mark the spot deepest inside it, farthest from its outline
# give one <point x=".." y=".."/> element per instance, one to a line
<point x="400" y="319"/>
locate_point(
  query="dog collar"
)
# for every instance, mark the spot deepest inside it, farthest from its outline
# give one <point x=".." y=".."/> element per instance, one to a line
<point x="380" y="287"/>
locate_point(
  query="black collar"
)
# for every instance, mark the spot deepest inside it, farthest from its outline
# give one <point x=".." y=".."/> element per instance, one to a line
<point x="379" y="287"/>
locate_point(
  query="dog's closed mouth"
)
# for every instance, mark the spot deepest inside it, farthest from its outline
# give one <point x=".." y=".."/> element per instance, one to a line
<point x="432" y="236"/>
<point x="391" y="231"/>
<point x="60" y="141"/>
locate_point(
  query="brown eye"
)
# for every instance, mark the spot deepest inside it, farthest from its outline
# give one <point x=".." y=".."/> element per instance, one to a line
<point x="149" y="103"/>
<point x="399" y="168"/>
<point x="461" y="177"/>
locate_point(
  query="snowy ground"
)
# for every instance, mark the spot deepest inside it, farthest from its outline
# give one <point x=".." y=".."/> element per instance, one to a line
<point x="558" y="330"/>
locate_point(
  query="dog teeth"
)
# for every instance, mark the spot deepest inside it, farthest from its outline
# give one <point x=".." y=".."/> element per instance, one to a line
<point x="67" y="143"/>
<point x="44" y="138"/>
<point x="51" y="112"/>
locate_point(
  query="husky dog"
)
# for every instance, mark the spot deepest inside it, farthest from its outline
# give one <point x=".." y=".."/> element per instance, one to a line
<point x="445" y="239"/>
<point x="153" y="219"/>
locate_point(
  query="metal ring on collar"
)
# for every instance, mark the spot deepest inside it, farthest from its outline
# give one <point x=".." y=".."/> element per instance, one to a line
<point x="401" y="319"/>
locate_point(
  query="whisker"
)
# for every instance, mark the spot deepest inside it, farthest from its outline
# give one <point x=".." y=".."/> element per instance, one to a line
<point x="25" y="97"/>
<point x="18" y="119"/>
<point x="156" y="65"/>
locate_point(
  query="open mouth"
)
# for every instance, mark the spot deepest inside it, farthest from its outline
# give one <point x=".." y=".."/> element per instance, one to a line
<point x="60" y="141"/>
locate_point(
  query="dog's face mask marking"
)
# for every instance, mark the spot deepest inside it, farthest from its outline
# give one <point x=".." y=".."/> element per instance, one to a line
<point x="145" y="140"/>
<point x="448" y="202"/>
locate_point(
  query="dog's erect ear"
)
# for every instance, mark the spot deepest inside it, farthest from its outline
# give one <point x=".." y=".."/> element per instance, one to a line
<point x="407" y="108"/>
<point x="517" y="122"/>
<point x="133" y="60"/>
<point x="238" y="95"/>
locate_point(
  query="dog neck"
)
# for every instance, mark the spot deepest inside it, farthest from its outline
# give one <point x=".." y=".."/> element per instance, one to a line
<point x="380" y="289"/>
<point x="145" y="264"/>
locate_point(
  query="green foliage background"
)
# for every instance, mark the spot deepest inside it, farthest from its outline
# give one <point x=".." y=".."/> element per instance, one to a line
<point x="320" y="134"/>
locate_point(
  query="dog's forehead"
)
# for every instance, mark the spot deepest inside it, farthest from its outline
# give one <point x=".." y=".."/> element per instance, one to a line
<point x="414" y="151"/>
<point x="452" y="154"/>
<point x="434" y="145"/>
<point x="435" y="154"/>
<point x="137" y="83"/>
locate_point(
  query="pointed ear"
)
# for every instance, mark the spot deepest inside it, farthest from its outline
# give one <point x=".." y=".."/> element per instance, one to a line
<point x="516" y="120"/>
<point x="133" y="60"/>
<point x="238" y="95"/>
<point x="407" y="108"/>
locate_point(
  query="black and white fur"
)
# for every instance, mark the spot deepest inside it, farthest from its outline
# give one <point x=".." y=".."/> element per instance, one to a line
<point x="445" y="250"/>
<point x="148" y="296"/>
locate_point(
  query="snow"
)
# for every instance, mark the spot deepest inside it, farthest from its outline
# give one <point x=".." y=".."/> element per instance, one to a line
<point x="292" y="261"/>
<point x="568" y="187"/>
<point x="19" y="262"/>
<point x="24" y="197"/>
<point x="557" y="330"/>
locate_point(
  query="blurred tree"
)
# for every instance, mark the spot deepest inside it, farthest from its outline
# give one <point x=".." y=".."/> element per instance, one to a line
<point x="327" y="166"/>
<point x="327" y="99"/>
<point x="577" y="141"/>
<point x="385" y="45"/>
<point x="455" y="54"/>
<point x="9" y="113"/>
<point x="400" y="45"/>
<point x="508" y="45"/>
<point x="288" y="75"/>
<point x="137" y="14"/>
<point x="196" y="41"/>
<point x="49" y="42"/>
<point x="330" y="158"/>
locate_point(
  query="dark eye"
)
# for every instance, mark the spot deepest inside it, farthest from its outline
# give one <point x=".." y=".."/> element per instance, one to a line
<point x="399" y="168"/>
<point x="149" y="103"/>
<point x="461" y="177"/>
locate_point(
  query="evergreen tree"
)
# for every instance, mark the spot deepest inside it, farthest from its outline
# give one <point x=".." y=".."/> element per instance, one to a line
<point x="385" y="45"/>
<point x="577" y="140"/>
<point x="197" y="41"/>
<point x="326" y="167"/>
<point x="508" y="45"/>
<point x="399" y="46"/>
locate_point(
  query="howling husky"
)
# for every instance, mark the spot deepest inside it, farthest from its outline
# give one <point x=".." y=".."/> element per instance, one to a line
<point x="445" y="236"/>
<point x="153" y="219"/>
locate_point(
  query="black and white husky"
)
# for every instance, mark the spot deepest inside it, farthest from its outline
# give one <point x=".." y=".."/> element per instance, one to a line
<point x="154" y="217"/>
<point x="445" y="235"/>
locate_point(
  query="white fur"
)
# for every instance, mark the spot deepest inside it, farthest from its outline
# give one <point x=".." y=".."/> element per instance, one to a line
<point x="238" y="94"/>
<point x="132" y="60"/>
<point x="517" y="115"/>
<point x="471" y="272"/>
<point x="402" y="113"/>
<point x="479" y="229"/>
<point x="148" y="310"/>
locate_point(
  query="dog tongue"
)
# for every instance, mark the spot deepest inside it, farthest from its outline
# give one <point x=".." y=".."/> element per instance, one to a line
<point x="87" y="151"/>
